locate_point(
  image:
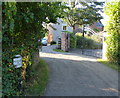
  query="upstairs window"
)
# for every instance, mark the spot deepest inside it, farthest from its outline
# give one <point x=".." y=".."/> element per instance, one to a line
<point x="64" y="27"/>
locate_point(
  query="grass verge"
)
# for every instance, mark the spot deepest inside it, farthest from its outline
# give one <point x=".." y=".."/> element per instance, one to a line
<point x="36" y="86"/>
<point x="109" y="64"/>
<point x="58" y="50"/>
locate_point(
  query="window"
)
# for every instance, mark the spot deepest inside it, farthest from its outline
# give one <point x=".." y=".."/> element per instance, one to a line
<point x="64" y="27"/>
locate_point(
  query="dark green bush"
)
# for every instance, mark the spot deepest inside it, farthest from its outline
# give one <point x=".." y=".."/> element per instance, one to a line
<point x="86" y="43"/>
<point x="73" y="42"/>
<point x="21" y="29"/>
<point x="52" y="42"/>
<point x="96" y="30"/>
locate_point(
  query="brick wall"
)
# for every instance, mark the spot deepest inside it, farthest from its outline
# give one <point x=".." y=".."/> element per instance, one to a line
<point x="65" y="41"/>
<point x="94" y="26"/>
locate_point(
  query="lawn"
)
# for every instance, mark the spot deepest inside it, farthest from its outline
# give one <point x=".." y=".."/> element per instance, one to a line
<point x="36" y="87"/>
<point x="111" y="65"/>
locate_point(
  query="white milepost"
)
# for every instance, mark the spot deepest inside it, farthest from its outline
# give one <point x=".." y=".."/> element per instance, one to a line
<point x="17" y="61"/>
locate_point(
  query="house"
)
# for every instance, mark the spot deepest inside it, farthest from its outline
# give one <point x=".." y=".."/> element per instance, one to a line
<point x="55" y="30"/>
<point x="97" y="26"/>
<point x="90" y="29"/>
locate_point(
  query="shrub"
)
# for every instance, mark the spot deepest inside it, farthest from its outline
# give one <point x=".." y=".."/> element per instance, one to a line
<point x="112" y="9"/>
<point x="73" y="42"/>
<point x="20" y="34"/>
<point x="96" y="30"/>
<point x="86" y="42"/>
<point x="96" y="38"/>
<point x="52" y="42"/>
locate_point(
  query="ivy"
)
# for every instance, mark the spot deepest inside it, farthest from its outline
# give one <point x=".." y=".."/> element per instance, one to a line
<point x="112" y="9"/>
<point x="22" y="27"/>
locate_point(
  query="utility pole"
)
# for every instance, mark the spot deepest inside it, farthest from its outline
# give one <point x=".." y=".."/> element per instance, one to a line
<point x="83" y="39"/>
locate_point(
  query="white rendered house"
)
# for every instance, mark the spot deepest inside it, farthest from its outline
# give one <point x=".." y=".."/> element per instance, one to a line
<point x="55" y="30"/>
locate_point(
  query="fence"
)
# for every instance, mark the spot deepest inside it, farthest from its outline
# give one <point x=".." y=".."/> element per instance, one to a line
<point x="89" y="52"/>
<point x="92" y="53"/>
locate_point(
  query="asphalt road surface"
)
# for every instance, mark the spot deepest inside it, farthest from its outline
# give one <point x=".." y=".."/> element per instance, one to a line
<point x="72" y="74"/>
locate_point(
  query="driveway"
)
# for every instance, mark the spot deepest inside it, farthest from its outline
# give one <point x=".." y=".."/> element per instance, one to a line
<point x="72" y="74"/>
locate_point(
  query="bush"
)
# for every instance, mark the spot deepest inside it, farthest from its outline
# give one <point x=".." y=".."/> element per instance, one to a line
<point x="112" y="9"/>
<point x="20" y="34"/>
<point x="92" y="42"/>
<point x="52" y="42"/>
<point x="96" y="38"/>
<point x="87" y="42"/>
<point x="96" y="30"/>
<point x="73" y="42"/>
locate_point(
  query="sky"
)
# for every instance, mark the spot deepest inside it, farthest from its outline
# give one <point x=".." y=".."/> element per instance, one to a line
<point x="105" y="17"/>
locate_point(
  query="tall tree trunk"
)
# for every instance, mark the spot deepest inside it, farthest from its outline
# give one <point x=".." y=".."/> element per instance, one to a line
<point x="74" y="30"/>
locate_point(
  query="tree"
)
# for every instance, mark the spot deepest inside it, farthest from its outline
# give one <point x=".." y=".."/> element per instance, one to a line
<point x="112" y="10"/>
<point x="22" y="27"/>
<point x="87" y="14"/>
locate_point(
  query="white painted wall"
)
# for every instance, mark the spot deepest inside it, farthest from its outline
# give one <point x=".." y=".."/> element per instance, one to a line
<point x="59" y="29"/>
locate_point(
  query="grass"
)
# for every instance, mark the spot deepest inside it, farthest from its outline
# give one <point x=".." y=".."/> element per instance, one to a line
<point x="0" y="81"/>
<point x="111" y="65"/>
<point x="36" y="86"/>
<point x="58" y="50"/>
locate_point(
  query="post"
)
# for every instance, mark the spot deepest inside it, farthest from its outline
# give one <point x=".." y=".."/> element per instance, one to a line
<point x="17" y="61"/>
<point x="59" y="43"/>
<point x="83" y="40"/>
<point x="105" y="34"/>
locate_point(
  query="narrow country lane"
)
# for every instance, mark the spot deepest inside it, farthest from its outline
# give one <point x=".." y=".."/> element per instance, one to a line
<point x="72" y="74"/>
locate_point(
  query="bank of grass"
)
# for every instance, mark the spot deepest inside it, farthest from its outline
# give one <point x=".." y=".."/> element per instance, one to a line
<point x="58" y="50"/>
<point x="109" y="64"/>
<point x="0" y="81"/>
<point x="36" y="86"/>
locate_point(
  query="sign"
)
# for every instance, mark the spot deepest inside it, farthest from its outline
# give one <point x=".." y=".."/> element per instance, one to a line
<point x="17" y="61"/>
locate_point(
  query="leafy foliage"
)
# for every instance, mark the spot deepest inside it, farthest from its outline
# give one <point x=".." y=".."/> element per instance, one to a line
<point x="37" y="84"/>
<point x="52" y="42"/>
<point x="22" y="27"/>
<point x="87" y="14"/>
<point x="97" y="38"/>
<point x="112" y="9"/>
<point x="90" y="42"/>
<point x="73" y="41"/>
<point x="9" y="74"/>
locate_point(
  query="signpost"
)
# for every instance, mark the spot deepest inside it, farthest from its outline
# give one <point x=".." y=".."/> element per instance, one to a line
<point x="83" y="40"/>
<point x="17" y="61"/>
<point x="59" y="43"/>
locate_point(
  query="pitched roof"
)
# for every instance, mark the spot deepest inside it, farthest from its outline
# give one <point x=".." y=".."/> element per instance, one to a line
<point x="99" y="24"/>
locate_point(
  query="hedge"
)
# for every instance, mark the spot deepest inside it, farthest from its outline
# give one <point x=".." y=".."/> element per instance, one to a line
<point x="112" y="9"/>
